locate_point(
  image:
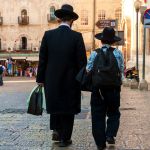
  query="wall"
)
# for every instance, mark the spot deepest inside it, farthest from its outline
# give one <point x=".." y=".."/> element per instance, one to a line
<point x="11" y="32"/>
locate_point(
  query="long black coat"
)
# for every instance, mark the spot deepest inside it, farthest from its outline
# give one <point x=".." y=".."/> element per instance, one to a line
<point x="62" y="55"/>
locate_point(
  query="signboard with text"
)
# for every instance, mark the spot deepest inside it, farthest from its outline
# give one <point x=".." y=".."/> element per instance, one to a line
<point x="106" y="23"/>
<point x="147" y="19"/>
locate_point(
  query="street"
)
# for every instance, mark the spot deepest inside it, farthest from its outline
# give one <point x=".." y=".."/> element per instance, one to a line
<point x="21" y="131"/>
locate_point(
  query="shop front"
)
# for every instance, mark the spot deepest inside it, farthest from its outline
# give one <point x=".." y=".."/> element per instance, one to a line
<point x="20" y="64"/>
<point x="25" y="66"/>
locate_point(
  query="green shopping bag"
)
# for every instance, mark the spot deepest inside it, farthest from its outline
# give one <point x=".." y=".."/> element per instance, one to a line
<point x="36" y="101"/>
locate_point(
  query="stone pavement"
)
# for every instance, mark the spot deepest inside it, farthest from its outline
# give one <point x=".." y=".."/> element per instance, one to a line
<point x="18" y="78"/>
<point x="21" y="131"/>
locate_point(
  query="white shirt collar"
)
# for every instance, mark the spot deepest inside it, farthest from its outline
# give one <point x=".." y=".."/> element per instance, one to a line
<point x="64" y="24"/>
<point x="106" y="45"/>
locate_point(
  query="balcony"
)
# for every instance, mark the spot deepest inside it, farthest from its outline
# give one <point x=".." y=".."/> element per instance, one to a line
<point x="51" y="18"/>
<point x="23" y="20"/>
<point x="1" y="20"/>
<point x="18" y="53"/>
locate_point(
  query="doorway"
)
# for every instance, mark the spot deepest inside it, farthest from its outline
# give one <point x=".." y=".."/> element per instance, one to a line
<point x="24" y="43"/>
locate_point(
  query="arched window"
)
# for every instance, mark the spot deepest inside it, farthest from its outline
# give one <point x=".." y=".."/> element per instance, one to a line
<point x="0" y="44"/>
<point x="23" y="13"/>
<point x="24" y="18"/>
<point x="23" y="43"/>
<point x="118" y="16"/>
<point x="52" y="16"/>
<point x="84" y="17"/>
<point x="101" y="15"/>
<point x="1" y="19"/>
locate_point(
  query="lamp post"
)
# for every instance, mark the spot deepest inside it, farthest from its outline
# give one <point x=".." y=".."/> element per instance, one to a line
<point x="93" y="32"/>
<point x="143" y="85"/>
<point x="137" y="5"/>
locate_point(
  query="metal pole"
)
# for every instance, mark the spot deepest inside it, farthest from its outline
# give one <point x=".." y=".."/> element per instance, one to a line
<point x="137" y="53"/>
<point x="144" y="46"/>
<point x="137" y="65"/>
<point x="94" y="10"/>
<point x="117" y="30"/>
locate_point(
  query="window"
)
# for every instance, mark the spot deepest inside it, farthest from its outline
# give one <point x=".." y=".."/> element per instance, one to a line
<point x="23" y="43"/>
<point x="0" y="44"/>
<point x="52" y="16"/>
<point x="84" y="17"/>
<point x="118" y="16"/>
<point x="23" y="13"/>
<point x="1" y="19"/>
<point x="24" y="18"/>
<point x="101" y="15"/>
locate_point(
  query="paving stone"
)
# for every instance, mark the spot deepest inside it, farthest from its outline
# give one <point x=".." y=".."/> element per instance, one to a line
<point x="21" y="131"/>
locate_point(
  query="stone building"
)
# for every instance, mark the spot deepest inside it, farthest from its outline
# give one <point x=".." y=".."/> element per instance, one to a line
<point x="23" y="23"/>
<point x="128" y="24"/>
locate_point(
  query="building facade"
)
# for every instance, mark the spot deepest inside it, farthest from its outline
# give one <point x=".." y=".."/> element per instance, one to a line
<point x="128" y="24"/>
<point x="23" y="23"/>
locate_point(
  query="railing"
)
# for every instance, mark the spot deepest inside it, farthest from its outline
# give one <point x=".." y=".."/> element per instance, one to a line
<point x="51" y="19"/>
<point x="23" y="20"/>
<point x="3" y="50"/>
<point x="1" y="20"/>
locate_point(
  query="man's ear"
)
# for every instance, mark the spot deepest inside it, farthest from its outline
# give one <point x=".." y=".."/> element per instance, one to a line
<point x="71" y="22"/>
<point x="59" y="20"/>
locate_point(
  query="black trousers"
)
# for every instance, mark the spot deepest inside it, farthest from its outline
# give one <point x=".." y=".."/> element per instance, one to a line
<point x="63" y="123"/>
<point x="1" y="79"/>
<point x="105" y="103"/>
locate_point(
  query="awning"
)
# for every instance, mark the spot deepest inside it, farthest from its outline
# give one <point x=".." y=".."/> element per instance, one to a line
<point x="32" y="59"/>
<point x="18" y="58"/>
<point x="3" y="59"/>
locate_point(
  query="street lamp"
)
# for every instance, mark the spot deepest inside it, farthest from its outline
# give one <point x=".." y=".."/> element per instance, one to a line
<point x="137" y="5"/>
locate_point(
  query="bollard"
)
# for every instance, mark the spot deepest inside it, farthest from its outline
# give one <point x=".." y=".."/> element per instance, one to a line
<point x="143" y="85"/>
<point x="126" y="82"/>
<point x="134" y="84"/>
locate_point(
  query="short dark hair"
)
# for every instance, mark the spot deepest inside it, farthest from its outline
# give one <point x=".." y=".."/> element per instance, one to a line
<point x="107" y="42"/>
<point x="66" y="18"/>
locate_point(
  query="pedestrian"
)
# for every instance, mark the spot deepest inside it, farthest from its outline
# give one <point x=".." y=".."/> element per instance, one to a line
<point x="62" y="55"/>
<point x="107" y="65"/>
<point x="1" y="74"/>
<point x="4" y="70"/>
<point x="10" y="66"/>
<point x="36" y="68"/>
<point x="30" y="71"/>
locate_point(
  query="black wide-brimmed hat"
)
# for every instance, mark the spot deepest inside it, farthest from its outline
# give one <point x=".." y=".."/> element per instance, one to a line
<point x="108" y="34"/>
<point x="66" y="10"/>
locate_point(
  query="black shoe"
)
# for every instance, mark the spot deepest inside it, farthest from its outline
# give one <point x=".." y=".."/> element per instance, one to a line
<point x="102" y="147"/>
<point x="110" y="140"/>
<point x="55" y="136"/>
<point x="65" y="143"/>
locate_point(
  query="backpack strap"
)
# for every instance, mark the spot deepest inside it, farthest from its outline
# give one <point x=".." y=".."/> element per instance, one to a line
<point x="100" y="50"/>
<point x="112" y="49"/>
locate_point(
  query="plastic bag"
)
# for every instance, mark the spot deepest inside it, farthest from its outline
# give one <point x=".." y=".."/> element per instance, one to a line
<point x="36" y="101"/>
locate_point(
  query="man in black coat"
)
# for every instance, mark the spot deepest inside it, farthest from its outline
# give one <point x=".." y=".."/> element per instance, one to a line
<point x="62" y="55"/>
